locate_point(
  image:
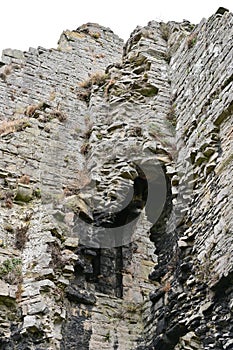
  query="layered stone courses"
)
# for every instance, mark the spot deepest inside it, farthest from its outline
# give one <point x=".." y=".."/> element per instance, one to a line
<point x="74" y="116"/>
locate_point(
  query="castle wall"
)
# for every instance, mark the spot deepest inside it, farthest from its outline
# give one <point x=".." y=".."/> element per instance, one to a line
<point x="81" y="126"/>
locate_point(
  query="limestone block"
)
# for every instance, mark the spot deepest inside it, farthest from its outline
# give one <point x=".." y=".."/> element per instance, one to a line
<point x="30" y="322"/>
<point x="37" y="307"/>
<point x="71" y="242"/>
<point x="4" y="289"/>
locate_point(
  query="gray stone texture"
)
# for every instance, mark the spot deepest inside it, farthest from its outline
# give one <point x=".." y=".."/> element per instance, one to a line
<point x="82" y="114"/>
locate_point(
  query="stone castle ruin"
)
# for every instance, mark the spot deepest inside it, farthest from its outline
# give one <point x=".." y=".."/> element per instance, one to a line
<point x="116" y="190"/>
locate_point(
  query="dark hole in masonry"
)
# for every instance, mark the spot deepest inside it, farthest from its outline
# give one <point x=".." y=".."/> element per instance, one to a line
<point x="106" y="270"/>
<point x="164" y="239"/>
<point x="151" y="191"/>
<point x="96" y="267"/>
<point x="108" y="263"/>
<point x="119" y="277"/>
<point x="128" y="213"/>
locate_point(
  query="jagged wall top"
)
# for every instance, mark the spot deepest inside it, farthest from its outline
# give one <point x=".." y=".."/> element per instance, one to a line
<point x="172" y="77"/>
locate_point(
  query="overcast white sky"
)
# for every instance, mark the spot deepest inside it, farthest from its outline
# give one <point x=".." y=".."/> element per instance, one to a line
<point x="26" y="23"/>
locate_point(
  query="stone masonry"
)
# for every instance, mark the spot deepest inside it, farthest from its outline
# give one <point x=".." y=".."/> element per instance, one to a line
<point x="75" y="124"/>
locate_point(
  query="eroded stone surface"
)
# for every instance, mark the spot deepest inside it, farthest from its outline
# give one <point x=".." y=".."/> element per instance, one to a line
<point x="79" y="115"/>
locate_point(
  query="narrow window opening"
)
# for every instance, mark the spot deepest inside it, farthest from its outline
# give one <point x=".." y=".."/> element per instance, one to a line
<point x="119" y="277"/>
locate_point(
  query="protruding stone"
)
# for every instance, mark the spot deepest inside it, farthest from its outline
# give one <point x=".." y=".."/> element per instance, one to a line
<point x="221" y="11"/>
<point x="80" y="296"/>
<point x="4" y="289"/>
<point x="71" y="242"/>
<point x="30" y="322"/>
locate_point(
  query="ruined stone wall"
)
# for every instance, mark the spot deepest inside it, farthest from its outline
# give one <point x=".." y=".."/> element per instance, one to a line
<point x="78" y="125"/>
<point x="203" y="88"/>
